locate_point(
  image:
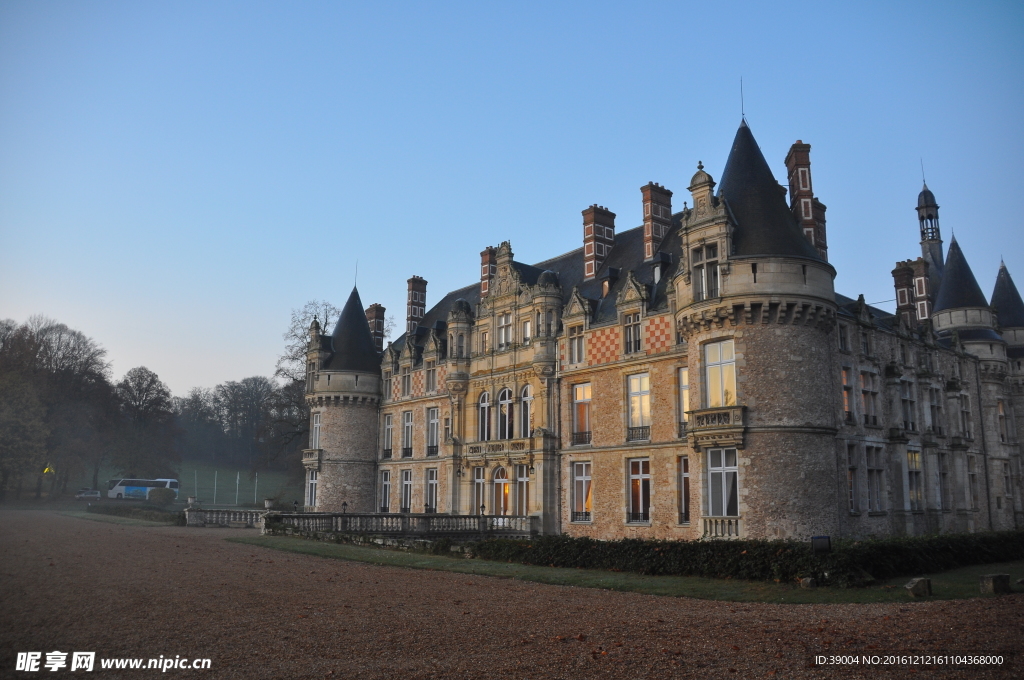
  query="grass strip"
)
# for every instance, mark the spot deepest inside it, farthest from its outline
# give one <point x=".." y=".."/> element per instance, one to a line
<point x="114" y="519"/>
<point x="954" y="584"/>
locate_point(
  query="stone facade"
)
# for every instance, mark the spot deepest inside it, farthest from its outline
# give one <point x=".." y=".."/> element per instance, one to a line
<point x="696" y="376"/>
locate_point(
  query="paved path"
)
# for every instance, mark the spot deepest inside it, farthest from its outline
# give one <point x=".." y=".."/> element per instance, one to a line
<point x="128" y="591"/>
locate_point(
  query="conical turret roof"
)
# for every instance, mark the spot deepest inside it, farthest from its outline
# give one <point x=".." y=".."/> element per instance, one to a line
<point x="1006" y="300"/>
<point x="959" y="287"/>
<point x="765" y="224"/>
<point x="351" y="340"/>
<point x="926" y="199"/>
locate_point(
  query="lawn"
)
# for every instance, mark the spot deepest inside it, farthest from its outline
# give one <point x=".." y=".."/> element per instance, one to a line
<point x="954" y="584"/>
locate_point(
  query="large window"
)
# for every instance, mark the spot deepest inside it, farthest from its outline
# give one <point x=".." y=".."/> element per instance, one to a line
<point x="869" y="397"/>
<point x="407" y="434"/>
<point x="387" y="385"/>
<point x="852" y="490"/>
<point x="479" y="491"/>
<point x="723" y="500"/>
<point x="915" y="483"/>
<point x="684" y="400"/>
<point x="575" y="344"/>
<point x="506" y="415"/>
<point x="720" y="370"/>
<point x="847" y="395"/>
<point x="433" y="432"/>
<point x="430" y="505"/>
<point x="406" y="382"/>
<point x="639" y="490"/>
<point x="631" y="331"/>
<point x="431" y="370"/>
<point x="581" y="492"/>
<point x="908" y="405"/>
<point x="935" y="409"/>
<point x="639" y="407"/>
<point x="504" y="330"/>
<point x="314" y="435"/>
<point x="526" y="412"/>
<point x="483" y="431"/>
<point x="965" y="416"/>
<point x="972" y="483"/>
<point x="705" y="273"/>
<point x="385" y="490"/>
<point x="311" y="488"/>
<point x="522" y="489"/>
<point x="406" y="490"/>
<point x="581" y="414"/>
<point x="876" y="479"/>
<point x="527" y="332"/>
<point x="502" y="502"/>
<point x="1004" y="431"/>
<point x="684" y="489"/>
<point x="388" y="434"/>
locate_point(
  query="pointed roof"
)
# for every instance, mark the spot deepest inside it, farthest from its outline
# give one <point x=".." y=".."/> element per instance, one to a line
<point x="1006" y="300"/>
<point x="959" y="288"/>
<point x="351" y="341"/>
<point x="765" y="224"/>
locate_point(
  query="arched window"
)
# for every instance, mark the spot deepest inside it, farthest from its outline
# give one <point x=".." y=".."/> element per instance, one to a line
<point x="526" y="413"/>
<point x="506" y="415"/>
<point x="502" y="502"/>
<point x="484" y="418"/>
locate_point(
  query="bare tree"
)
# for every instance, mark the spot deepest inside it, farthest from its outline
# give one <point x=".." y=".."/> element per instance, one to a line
<point x="292" y="364"/>
<point x="146" y="444"/>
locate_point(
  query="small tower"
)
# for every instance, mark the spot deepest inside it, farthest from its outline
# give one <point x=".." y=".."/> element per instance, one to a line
<point x="343" y="395"/>
<point x="931" y="239"/>
<point x="961" y="307"/>
<point x="1009" y="310"/>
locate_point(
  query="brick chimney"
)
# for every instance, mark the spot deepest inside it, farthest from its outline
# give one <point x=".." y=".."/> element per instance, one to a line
<point x="913" y="299"/>
<point x="657" y="217"/>
<point x="488" y="267"/>
<point x="808" y="211"/>
<point x="598" y="238"/>
<point x="416" y="304"/>
<point x="375" y="317"/>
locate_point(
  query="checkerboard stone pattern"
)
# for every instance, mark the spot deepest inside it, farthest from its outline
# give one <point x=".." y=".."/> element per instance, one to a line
<point x="659" y="335"/>
<point x="604" y="345"/>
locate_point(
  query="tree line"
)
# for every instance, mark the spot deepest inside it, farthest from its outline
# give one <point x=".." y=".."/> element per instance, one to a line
<point x="64" y="417"/>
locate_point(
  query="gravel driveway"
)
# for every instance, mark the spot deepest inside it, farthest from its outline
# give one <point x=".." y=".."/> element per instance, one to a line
<point x="128" y="591"/>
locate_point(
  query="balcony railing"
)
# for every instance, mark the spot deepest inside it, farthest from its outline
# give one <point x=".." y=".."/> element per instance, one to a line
<point x="721" y="527"/>
<point x="501" y="446"/>
<point x="638" y="434"/>
<point x="681" y="432"/>
<point x="408" y="524"/>
<point x="404" y="511"/>
<point x="638" y="517"/>
<point x="718" y="426"/>
<point x="429" y="510"/>
<point x="432" y="450"/>
<point x="311" y="458"/>
<point x="579" y="517"/>
<point x="580" y="438"/>
<point x="384" y="509"/>
<point x="386" y="453"/>
<point x="406" y="452"/>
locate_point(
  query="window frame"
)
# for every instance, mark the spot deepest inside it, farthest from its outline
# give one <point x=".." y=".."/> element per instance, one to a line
<point x="724" y="369"/>
<point x="683" y="494"/>
<point x="385" y="490"/>
<point x="433" y="430"/>
<point x="576" y="347"/>
<point x="405" y="504"/>
<point x="389" y="435"/>
<point x="431" y="491"/>
<point x="582" y="491"/>
<point x="723" y="478"/>
<point x="526" y="412"/>
<point x="506" y="414"/>
<point x="314" y="433"/>
<point x="632" y="324"/>
<point x="483" y="416"/>
<point x="638" y="413"/>
<point x="407" y="434"/>
<point x="638" y="486"/>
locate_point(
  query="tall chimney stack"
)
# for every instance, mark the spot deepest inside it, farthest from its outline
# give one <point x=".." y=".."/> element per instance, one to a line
<point x="657" y="217"/>
<point x="488" y="268"/>
<point x="375" y="317"/>
<point x="808" y="211"/>
<point x="416" y="305"/>
<point x="598" y="238"/>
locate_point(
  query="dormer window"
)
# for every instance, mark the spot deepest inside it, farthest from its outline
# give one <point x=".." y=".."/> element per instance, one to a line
<point x="631" y="332"/>
<point x="431" y="371"/>
<point x="705" y="272"/>
<point x="387" y="384"/>
<point x="406" y="382"/>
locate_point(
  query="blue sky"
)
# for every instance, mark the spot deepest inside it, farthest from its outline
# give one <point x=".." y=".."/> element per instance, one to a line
<point x="176" y="177"/>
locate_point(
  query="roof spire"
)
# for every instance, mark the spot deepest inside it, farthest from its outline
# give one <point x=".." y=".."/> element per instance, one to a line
<point x="959" y="288"/>
<point x="1007" y="301"/>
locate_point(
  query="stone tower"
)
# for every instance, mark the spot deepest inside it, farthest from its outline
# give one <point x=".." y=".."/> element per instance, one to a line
<point x="343" y="391"/>
<point x="756" y="306"/>
<point x="931" y="240"/>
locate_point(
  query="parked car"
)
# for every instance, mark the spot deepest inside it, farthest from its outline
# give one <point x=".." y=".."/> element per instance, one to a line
<point x="87" y="495"/>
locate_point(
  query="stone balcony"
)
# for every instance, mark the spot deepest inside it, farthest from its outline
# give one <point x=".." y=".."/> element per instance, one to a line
<point x="500" y="447"/>
<point x="311" y="458"/>
<point x="712" y="427"/>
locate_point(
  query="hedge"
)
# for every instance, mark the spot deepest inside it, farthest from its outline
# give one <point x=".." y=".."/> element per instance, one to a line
<point x="851" y="563"/>
<point x="150" y="513"/>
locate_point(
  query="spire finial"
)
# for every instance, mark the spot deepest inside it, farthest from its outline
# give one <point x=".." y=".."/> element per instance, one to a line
<point x="923" y="180"/>
<point x="355" y="280"/>
<point x="743" y="111"/>
<point x="700" y="166"/>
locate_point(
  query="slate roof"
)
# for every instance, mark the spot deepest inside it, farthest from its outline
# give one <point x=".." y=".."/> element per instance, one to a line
<point x="1006" y="300"/>
<point x="764" y="223"/>
<point x="351" y="344"/>
<point x="959" y="288"/>
<point x="926" y="199"/>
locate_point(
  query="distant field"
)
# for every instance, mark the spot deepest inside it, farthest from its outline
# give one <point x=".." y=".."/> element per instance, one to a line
<point x="197" y="479"/>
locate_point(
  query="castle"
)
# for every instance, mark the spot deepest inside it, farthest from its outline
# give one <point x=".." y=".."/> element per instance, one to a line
<point x="696" y="376"/>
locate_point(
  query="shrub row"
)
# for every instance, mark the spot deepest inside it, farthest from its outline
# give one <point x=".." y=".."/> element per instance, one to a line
<point x="145" y="511"/>
<point x="851" y="563"/>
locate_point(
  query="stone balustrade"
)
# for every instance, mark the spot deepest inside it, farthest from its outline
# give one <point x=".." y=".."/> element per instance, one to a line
<point x="409" y="524"/>
<point x="198" y="517"/>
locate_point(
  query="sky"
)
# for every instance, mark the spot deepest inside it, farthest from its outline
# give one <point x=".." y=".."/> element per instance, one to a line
<point x="176" y="177"/>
